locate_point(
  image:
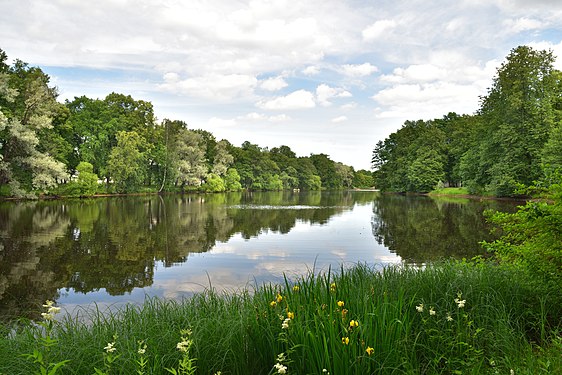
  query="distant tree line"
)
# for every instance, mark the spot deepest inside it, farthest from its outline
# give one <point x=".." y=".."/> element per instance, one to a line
<point x="513" y="141"/>
<point x="67" y="149"/>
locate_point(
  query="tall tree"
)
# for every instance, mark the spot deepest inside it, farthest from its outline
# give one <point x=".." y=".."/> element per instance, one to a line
<point x="517" y="115"/>
<point x="27" y="107"/>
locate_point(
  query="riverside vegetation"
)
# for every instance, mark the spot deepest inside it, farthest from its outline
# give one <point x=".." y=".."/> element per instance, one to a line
<point x="450" y="318"/>
<point x="496" y="316"/>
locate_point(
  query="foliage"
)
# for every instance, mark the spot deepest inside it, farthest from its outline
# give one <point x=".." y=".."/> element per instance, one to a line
<point x="27" y="108"/>
<point x="532" y="238"/>
<point x="469" y="318"/>
<point x="511" y="142"/>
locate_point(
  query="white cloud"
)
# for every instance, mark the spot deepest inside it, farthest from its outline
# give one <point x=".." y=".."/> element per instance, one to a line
<point x="299" y="99"/>
<point x="254" y="116"/>
<point x="522" y="24"/>
<point x="324" y="93"/>
<point x="339" y="119"/>
<point x="211" y="87"/>
<point x="273" y="83"/>
<point x="311" y="70"/>
<point x="378" y="29"/>
<point x="360" y="70"/>
<point x="426" y="101"/>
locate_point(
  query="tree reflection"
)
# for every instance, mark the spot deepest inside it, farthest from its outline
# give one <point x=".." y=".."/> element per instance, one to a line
<point x="114" y="243"/>
<point x="423" y="229"/>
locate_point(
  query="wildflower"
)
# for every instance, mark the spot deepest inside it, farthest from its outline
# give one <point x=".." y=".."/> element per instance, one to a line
<point x="325" y="371"/>
<point x="272" y="303"/>
<point x="279" y="298"/>
<point x="460" y="303"/>
<point x="341" y="303"/>
<point x="369" y="350"/>
<point x="183" y="346"/>
<point x="345" y="340"/>
<point x="290" y="315"/>
<point x="353" y="323"/>
<point x="285" y="324"/>
<point x="142" y="347"/>
<point x="449" y="318"/>
<point x="280" y="368"/>
<point x="281" y="357"/>
<point x="296" y="288"/>
<point x="511" y="372"/>
<point x="51" y="310"/>
<point x="343" y="313"/>
<point x="110" y="347"/>
<point x="47" y="316"/>
<point x="419" y="308"/>
<point x="431" y="311"/>
<point x="332" y="287"/>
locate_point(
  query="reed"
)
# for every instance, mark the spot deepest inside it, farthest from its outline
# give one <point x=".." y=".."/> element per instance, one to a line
<point x="447" y="318"/>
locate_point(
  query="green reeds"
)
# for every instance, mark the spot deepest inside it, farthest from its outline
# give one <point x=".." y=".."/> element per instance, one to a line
<point x="443" y="319"/>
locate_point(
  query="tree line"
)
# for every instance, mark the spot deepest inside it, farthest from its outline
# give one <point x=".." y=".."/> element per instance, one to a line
<point x="513" y="141"/>
<point x="115" y="144"/>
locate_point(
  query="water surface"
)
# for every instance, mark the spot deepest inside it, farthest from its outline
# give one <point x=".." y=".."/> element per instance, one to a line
<point x="120" y="249"/>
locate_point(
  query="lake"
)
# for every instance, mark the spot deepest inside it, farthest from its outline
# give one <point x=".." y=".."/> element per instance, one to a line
<point x="119" y="250"/>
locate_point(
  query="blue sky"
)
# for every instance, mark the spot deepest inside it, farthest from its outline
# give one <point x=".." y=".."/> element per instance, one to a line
<point x="320" y="76"/>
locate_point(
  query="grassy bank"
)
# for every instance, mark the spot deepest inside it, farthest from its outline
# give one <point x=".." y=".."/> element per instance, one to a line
<point x="444" y="319"/>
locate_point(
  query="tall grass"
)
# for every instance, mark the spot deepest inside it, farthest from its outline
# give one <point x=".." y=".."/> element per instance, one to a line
<point x="396" y="320"/>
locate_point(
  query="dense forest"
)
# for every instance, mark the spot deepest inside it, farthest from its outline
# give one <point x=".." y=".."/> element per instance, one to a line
<point x="513" y="141"/>
<point x="87" y="146"/>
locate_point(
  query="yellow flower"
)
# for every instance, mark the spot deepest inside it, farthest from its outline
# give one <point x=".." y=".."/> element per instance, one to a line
<point x="279" y="298"/>
<point x="353" y="323"/>
<point x="341" y="303"/>
<point x="369" y="350"/>
<point x="272" y="303"/>
<point x="290" y="315"/>
<point x="343" y="313"/>
<point x="345" y="340"/>
<point x="333" y="287"/>
<point x="296" y="288"/>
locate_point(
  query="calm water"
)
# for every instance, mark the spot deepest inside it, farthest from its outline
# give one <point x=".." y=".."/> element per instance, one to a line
<point x="117" y="250"/>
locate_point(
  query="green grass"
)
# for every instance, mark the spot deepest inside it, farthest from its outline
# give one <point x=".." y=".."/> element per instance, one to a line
<point x="450" y="191"/>
<point x="507" y="322"/>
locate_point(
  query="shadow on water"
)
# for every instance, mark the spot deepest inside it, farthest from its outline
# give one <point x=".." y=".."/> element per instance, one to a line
<point x="113" y="244"/>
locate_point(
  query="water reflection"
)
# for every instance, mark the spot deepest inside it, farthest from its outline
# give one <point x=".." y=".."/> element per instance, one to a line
<point x="119" y="249"/>
<point x="422" y="229"/>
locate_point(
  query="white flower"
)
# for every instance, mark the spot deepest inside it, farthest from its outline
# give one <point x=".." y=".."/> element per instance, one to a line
<point x="48" y="304"/>
<point x="419" y="307"/>
<point x="280" y="368"/>
<point x="110" y="347"/>
<point x="431" y="311"/>
<point x="285" y="324"/>
<point x="449" y="318"/>
<point x="460" y="303"/>
<point x="47" y="316"/>
<point x="183" y="346"/>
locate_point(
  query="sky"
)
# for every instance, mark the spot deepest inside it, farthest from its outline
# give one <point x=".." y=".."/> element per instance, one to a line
<point x="319" y="76"/>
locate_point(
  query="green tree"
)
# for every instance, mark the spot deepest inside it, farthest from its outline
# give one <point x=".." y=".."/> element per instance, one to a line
<point x="126" y="162"/>
<point x="517" y="115"/>
<point x="27" y="107"/>
<point x="363" y="179"/>
<point x="214" y="184"/>
<point x="232" y="180"/>
<point x="87" y="180"/>
<point x="191" y="165"/>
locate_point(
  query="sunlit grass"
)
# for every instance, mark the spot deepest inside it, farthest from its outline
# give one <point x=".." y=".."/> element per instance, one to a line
<point x="443" y="319"/>
<point x="450" y="191"/>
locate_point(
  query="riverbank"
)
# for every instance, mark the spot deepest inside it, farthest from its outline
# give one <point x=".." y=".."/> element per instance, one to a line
<point x="446" y="318"/>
